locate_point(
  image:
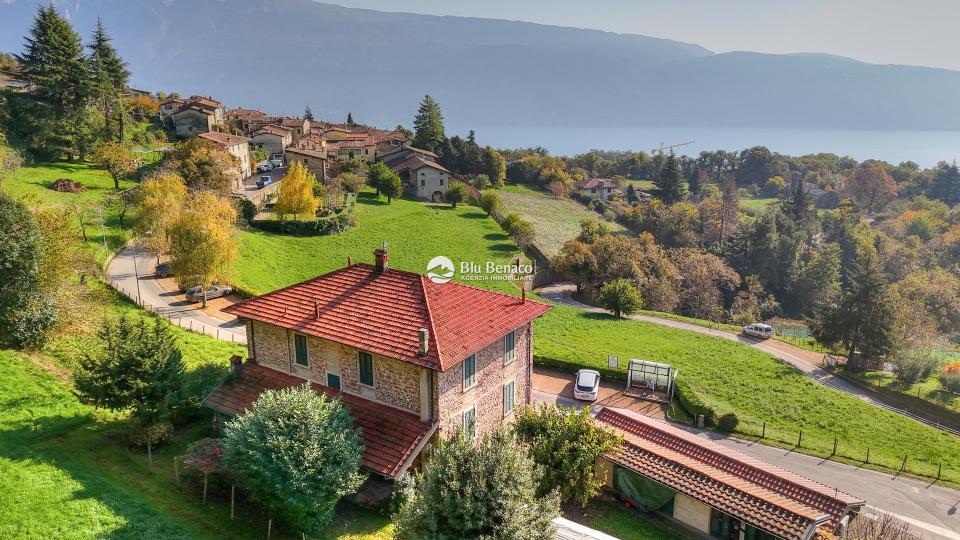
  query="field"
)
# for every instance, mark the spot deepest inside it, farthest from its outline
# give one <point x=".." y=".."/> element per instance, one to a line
<point x="554" y="220"/>
<point x="755" y="205"/>
<point x="415" y="233"/>
<point x="730" y="377"/>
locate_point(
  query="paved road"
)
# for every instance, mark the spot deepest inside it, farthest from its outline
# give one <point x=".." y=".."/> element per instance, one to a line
<point x="802" y="359"/>
<point x="931" y="510"/>
<point x="149" y="294"/>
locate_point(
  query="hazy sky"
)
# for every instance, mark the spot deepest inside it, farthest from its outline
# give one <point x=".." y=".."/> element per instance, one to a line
<point x="918" y="32"/>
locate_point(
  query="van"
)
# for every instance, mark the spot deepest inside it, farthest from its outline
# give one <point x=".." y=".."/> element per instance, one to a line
<point x="758" y="330"/>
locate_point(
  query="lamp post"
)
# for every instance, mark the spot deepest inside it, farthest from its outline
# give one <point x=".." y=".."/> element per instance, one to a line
<point x="136" y="275"/>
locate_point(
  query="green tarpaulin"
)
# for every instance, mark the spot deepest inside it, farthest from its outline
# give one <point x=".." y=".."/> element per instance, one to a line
<point x="645" y="494"/>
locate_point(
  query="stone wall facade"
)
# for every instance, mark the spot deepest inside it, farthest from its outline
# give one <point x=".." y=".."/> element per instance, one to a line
<point x="395" y="383"/>
<point x="451" y="400"/>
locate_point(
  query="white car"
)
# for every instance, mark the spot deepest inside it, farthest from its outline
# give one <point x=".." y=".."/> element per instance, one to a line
<point x="758" y="330"/>
<point x="586" y="385"/>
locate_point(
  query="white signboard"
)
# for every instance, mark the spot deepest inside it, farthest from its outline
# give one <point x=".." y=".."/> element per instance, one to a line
<point x="613" y="362"/>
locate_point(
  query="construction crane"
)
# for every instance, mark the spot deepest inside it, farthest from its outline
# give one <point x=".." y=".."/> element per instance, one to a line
<point x="662" y="147"/>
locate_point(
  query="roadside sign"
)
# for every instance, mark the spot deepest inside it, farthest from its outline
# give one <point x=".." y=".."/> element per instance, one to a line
<point x="613" y="362"/>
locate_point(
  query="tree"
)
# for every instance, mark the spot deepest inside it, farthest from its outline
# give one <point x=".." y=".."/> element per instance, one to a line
<point x="914" y="365"/>
<point x="864" y="320"/>
<point x="134" y="365"/>
<point x="308" y="114"/>
<point x="490" y="201"/>
<point x="296" y="193"/>
<point x="202" y="246"/>
<point x="591" y="229"/>
<point x="521" y="231"/>
<point x="494" y="166"/>
<point x="26" y="313"/>
<point x="946" y="184"/>
<point x="377" y="176"/>
<point x="352" y="182"/>
<point x="117" y="159"/>
<point x="455" y="193"/>
<point x="297" y="453"/>
<point x="669" y="185"/>
<point x="10" y="161"/>
<point x="705" y="280"/>
<point x="202" y="165"/>
<point x="576" y="262"/>
<point x="486" y="489"/>
<point x="160" y="201"/>
<point x="392" y="186"/>
<point x="566" y="443"/>
<point x="620" y="297"/>
<point x="428" y="126"/>
<point x="350" y="121"/>
<point x="871" y="187"/>
<point x="108" y="79"/>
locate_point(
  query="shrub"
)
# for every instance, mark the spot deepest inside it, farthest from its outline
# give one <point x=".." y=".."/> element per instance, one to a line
<point x="455" y="193"/>
<point x="149" y="434"/>
<point x="490" y="201"/>
<point x="482" y="490"/>
<point x="297" y="453"/>
<point x="333" y="221"/>
<point x="692" y="403"/>
<point x="566" y="443"/>
<point x="950" y="380"/>
<point x="247" y="209"/>
<point x="728" y="423"/>
<point x="913" y="366"/>
<point x="620" y="297"/>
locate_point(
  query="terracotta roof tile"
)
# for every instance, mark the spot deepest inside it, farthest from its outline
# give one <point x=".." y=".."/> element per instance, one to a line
<point x="223" y="139"/>
<point x="382" y="313"/>
<point x="416" y="162"/>
<point x="590" y="183"/>
<point x="390" y="436"/>
<point x="767" y="497"/>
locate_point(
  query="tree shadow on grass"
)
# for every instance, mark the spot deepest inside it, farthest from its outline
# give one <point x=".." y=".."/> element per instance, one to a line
<point x="371" y="199"/>
<point x="474" y="215"/>
<point x="496" y="237"/>
<point x="503" y="248"/>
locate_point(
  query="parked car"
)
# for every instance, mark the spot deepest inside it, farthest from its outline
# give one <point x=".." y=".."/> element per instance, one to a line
<point x="265" y="167"/>
<point x="758" y="330"/>
<point x="264" y="181"/>
<point x="276" y="162"/>
<point x="586" y="385"/>
<point x="195" y="294"/>
<point x="163" y="270"/>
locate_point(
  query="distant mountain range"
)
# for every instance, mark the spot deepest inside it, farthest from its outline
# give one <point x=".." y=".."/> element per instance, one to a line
<point x="281" y="55"/>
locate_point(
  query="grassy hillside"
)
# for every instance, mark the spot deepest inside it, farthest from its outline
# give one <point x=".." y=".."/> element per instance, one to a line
<point x="554" y="220"/>
<point x="416" y="232"/>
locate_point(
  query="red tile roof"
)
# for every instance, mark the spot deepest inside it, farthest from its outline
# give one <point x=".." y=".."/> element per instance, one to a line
<point x="382" y="313"/>
<point x="416" y="163"/>
<point x="272" y="129"/>
<point x="223" y="139"/>
<point x="391" y="437"/>
<point x="767" y="497"/>
<point x="590" y="183"/>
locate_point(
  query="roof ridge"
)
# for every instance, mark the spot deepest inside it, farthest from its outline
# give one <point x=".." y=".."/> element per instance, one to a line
<point x="433" y="331"/>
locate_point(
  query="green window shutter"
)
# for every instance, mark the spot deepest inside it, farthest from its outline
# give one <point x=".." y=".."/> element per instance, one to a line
<point x="470" y="423"/>
<point x="469" y="371"/>
<point x="509" y="397"/>
<point x="509" y="347"/>
<point x="300" y="346"/>
<point x="366" y="369"/>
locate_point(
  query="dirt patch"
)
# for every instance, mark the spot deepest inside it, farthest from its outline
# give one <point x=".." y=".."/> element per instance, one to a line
<point x="65" y="185"/>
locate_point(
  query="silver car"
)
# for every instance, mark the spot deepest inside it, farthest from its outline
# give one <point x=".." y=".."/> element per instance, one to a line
<point x="195" y="294"/>
<point x="586" y="385"/>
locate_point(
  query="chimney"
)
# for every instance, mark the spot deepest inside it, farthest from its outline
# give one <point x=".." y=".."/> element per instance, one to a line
<point x="380" y="256"/>
<point x="424" y="335"/>
<point x="236" y="364"/>
<point x="523" y="295"/>
<point x="349" y="261"/>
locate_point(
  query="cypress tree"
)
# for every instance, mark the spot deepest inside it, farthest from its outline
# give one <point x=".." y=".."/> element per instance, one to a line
<point x="109" y="77"/>
<point x="308" y="114"/>
<point x="946" y="185"/>
<point x="428" y="126"/>
<point x="669" y="185"/>
<point x="349" y="119"/>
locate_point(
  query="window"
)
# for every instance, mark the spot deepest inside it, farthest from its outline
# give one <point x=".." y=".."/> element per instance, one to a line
<point x="300" y="348"/>
<point x="423" y="174"/>
<point x="441" y="181"/>
<point x="509" y="397"/>
<point x="423" y="182"/>
<point x="365" y="360"/>
<point x="509" y="347"/>
<point x="333" y="380"/>
<point x="470" y="423"/>
<point x="470" y="372"/>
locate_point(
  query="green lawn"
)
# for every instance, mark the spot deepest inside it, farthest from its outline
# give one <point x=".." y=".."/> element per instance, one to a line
<point x="33" y="184"/>
<point x="415" y="232"/>
<point x="624" y="523"/>
<point x="757" y="204"/>
<point x="730" y="377"/>
<point x="642" y="185"/>
<point x="554" y="220"/>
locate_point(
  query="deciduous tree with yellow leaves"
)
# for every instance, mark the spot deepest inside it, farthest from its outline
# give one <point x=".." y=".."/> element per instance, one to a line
<point x="160" y="201"/>
<point x="202" y="244"/>
<point x="296" y="193"/>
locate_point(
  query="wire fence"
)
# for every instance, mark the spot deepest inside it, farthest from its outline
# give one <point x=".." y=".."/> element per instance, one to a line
<point x="183" y="319"/>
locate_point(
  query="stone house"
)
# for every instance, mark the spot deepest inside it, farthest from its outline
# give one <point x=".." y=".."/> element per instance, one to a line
<point x="198" y="115"/>
<point x="713" y="489"/>
<point x="239" y="120"/>
<point x="597" y="188"/>
<point x="236" y="146"/>
<point x="272" y="139"/>
<point x="423" y="178"/>
<point x="402" y="352"/>
<point x="170" y="106"/>
<point x="312" y="153"/>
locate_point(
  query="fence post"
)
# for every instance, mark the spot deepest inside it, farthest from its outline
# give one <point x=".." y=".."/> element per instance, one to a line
<point x="834" y="447"/>
<point x="868" y="455"/>
<point x="904" y="464"/>
<point x="233" y="487"/>
<point x="939" y="469"/>
<point x="764" y="434"/>
<point x="800" y="438"/>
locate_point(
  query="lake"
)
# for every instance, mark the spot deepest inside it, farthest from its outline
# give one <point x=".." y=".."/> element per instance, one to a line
<point x="923" y="147"/>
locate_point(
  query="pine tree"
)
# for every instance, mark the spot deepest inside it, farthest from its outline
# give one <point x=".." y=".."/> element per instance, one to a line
<point x="308" y="114"/>
<point x="349" y="119"/>
<point x="798" y="204"/>
<point x="54" y="69"/>
<point x="946" y="185"/>
<point x="428" y="126"/>
<point x="109" y="77"/>
<point x="669" y="186"/>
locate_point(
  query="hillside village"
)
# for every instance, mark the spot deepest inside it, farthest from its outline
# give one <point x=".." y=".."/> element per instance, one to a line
<point x="221" y="323"/>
